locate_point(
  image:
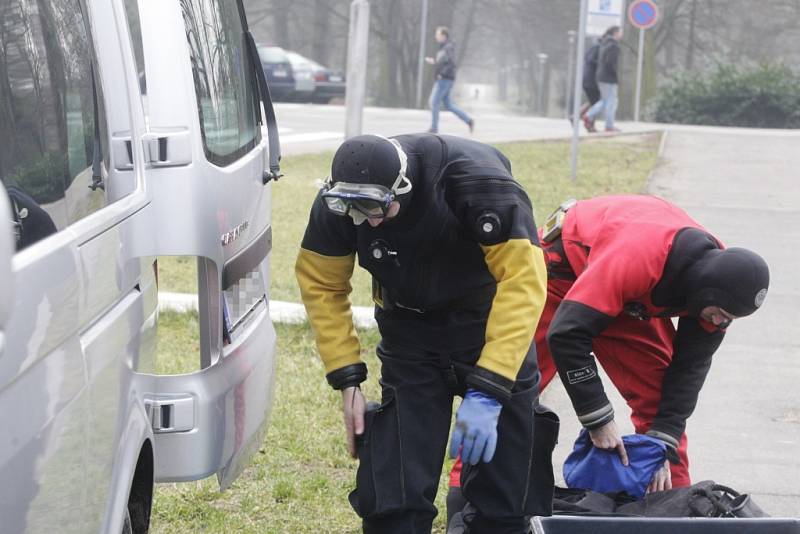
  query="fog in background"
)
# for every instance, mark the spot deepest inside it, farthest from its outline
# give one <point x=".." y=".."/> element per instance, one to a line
<point x="498" y="43"/>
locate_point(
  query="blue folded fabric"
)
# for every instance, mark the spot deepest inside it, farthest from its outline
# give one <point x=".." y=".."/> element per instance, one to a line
<point x="588" y="467"/>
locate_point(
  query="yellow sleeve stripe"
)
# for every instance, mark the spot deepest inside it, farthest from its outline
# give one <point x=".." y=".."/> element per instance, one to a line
<point x="518" y="267"/>
<point x="325" y="289"/>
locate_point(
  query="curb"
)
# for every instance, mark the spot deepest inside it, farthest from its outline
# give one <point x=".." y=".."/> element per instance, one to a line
<point x="648" y="182"/>
<point x="279" y="311"/>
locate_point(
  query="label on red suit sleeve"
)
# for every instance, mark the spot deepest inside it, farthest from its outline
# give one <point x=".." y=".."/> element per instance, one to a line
<point x="576" y="376"/>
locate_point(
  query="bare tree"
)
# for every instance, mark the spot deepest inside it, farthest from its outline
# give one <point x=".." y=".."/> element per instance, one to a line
<point x="494" y="36"/>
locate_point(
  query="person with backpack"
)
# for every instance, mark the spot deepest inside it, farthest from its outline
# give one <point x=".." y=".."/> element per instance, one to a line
<point x="607" y="80"/>
<point x="589" y="83"/>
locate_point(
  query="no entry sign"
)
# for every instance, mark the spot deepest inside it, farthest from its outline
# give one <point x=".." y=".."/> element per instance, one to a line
<point x="643" y="14"/>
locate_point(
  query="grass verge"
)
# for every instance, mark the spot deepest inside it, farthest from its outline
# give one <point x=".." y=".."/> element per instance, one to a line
<point x="300" y="479"/>
<point x="608" y="165"/>
<point x="301" y="476"/>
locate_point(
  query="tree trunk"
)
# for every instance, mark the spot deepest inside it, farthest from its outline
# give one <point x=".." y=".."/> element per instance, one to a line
<point x="280" y="23"/>
<point x="392" y="48"/>
<point x="690" y="39"/>
<point x="7" y="122"/>
<point x="469" y="25"/>
<point x="321" y="36"/>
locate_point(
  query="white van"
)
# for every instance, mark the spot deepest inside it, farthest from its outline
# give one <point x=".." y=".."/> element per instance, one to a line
<point x="128" y="130"/>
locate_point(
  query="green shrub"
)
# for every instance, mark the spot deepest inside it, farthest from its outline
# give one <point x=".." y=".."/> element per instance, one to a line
<point x="767" y="96"/>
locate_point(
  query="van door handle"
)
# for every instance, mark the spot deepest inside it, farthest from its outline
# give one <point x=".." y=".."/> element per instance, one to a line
<point x="167" y="147"/>
<point x="170" y="414"/>
<point x="121" y="151"/>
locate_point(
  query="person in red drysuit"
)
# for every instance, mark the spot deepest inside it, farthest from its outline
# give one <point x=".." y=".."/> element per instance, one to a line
<point x="618" y="270"/>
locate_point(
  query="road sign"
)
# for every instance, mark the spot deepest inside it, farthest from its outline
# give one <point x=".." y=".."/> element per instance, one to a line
<point x="643" y="14"/>
<point x="603" y="14"/>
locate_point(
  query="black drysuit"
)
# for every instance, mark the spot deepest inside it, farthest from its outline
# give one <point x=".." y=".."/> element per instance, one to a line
<point x="459" y="283"/>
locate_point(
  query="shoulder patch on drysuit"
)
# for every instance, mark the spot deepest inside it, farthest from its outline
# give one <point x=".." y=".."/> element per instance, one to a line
<point x="493" y="209"/>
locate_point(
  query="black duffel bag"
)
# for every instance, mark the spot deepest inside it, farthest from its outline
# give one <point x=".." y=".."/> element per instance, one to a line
<point x="704" y="499"/>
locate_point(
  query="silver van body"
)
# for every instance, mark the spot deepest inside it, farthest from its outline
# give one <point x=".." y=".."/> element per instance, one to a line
<point x="128" y="130"/>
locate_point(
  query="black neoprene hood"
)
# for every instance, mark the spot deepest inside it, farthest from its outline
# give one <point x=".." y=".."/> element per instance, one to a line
<point x="366" y="159"/>
<point x="734" y="279"/>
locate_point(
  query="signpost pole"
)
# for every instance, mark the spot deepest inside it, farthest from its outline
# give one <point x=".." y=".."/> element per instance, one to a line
<point x="571" y="36"/>
<point x="576" y="103"/>
<point x="639" y="64"/>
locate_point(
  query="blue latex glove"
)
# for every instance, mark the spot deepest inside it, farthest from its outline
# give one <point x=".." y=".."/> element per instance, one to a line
<point x="476" y="427"/>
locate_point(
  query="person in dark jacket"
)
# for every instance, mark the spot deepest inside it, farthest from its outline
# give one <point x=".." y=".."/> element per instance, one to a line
<point x="608" y="60"/>
<point x="444" y="70"/>
<point x="589" y="83"/>
<point x="458" y="282"/>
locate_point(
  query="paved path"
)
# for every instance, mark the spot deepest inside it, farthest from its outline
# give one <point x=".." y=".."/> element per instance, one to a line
<point x="742" y="185"/>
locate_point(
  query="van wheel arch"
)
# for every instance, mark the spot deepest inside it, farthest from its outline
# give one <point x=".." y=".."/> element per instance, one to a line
<point x="140" y="498"/>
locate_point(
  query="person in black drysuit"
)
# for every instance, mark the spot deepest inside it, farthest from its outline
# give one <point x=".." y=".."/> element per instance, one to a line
<point x="458" y="281"/>
<point x="31" y="222"/>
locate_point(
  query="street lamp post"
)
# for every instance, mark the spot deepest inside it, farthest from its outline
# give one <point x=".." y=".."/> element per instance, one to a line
<point x="356" y="67"/>
<point x="578" y="75"/>
<point x="570" y="72"/>
<point x="540" y="101"/>
<point x="502" y="84"/>
<point x="525" y="86"/>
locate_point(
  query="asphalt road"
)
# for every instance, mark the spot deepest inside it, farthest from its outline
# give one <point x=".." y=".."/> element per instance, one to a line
<point x="313" y="128"/>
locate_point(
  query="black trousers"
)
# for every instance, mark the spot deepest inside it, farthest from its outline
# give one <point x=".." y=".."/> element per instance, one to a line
<point x="402" y="449"/>
<point x="592" y="92"/>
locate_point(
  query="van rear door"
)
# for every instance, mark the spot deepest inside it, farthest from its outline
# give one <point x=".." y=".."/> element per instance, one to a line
<point x="207" y="159"/>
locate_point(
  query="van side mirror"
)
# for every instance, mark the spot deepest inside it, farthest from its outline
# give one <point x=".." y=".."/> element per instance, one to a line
<point x="7" y="248"/>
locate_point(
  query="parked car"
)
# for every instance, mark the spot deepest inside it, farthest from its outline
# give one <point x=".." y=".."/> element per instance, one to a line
<point x="279" y="72"/>
<point x="329" y="84"/>
<point x="304" y="84"/>
<point x="100" y="174"/>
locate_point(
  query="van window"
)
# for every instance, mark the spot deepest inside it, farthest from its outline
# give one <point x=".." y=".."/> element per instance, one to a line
<point x="135" y="27"/>
<point x="223" y="79"/>
<point x="48" y="153"/>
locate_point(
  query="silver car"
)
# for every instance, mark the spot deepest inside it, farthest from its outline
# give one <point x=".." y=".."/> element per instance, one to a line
<point x="304" y="83"/>
<point x="128" y="131"/>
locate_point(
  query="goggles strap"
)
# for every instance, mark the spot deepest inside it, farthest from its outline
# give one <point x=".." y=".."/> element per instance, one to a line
<point x="401" y="176"/>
